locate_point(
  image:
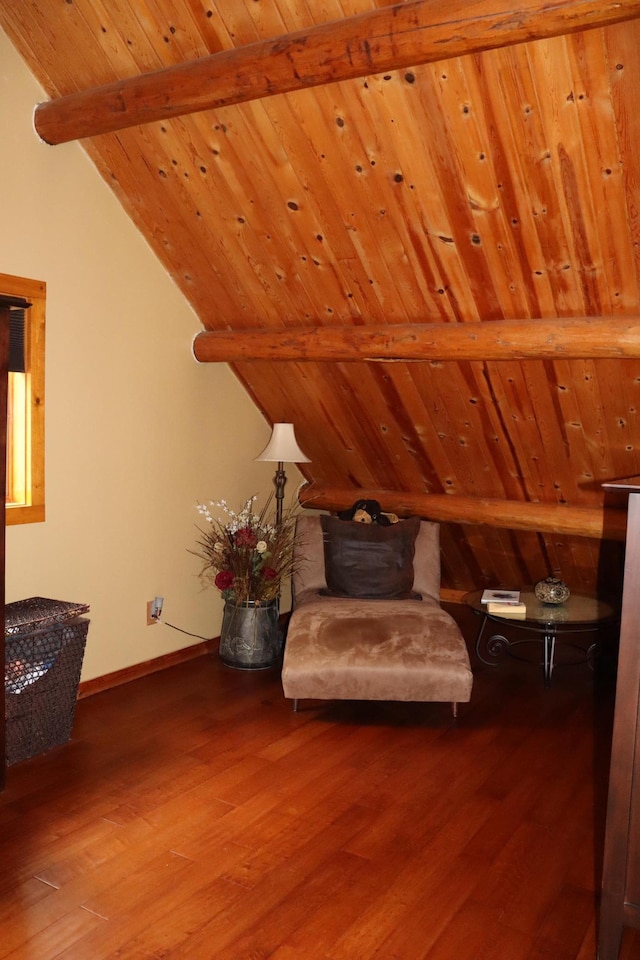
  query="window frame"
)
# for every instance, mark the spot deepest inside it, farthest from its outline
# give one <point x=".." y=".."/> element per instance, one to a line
<point x="32" y="510"/>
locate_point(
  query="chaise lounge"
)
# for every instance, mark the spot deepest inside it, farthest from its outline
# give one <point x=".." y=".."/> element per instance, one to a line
<point x="344" y="647"/>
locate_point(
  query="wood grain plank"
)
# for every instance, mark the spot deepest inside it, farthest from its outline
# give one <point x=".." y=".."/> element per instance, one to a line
<point x="354" y="830"/>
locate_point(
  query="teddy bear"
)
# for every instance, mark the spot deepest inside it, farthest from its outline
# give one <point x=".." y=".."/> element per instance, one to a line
<point x="368" y="511"/>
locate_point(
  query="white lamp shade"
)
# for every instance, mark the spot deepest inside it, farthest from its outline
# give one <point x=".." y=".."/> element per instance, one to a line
<point x="283" y="447"/>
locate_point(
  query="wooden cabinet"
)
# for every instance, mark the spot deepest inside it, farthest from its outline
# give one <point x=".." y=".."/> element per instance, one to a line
<point x="5" y="305"/>
<point x="620" y="905"/>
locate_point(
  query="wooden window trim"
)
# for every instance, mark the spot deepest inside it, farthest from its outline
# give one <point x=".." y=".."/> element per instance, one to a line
<point x="33" y="511"/>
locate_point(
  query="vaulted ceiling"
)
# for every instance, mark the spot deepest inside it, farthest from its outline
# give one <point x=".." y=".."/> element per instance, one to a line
<point x="416" y="235"/>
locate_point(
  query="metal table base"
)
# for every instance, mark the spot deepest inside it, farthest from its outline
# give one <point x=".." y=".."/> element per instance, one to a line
<point x="497" y="645"/>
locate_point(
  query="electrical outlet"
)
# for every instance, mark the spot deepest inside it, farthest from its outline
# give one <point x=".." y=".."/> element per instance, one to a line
<point x="154" y="610"/>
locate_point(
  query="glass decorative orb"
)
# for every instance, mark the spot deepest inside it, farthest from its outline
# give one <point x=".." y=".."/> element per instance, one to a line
<point x="552" y="590"/>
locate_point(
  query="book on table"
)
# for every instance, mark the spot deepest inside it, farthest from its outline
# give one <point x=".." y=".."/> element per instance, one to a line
<point x="513" y="611"/>
<point x="504" y="597"/>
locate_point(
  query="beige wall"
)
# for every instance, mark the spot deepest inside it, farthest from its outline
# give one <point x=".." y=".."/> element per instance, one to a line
<point x="136" y="431"/>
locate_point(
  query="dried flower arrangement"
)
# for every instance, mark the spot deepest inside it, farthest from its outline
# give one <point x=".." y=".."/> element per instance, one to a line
<point x="246" y="555"/>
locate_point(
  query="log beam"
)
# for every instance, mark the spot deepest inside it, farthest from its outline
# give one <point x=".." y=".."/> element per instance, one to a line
<point x="581" y="338"/>
<point x="595" y="522"/>
<point x="389" y="38"/>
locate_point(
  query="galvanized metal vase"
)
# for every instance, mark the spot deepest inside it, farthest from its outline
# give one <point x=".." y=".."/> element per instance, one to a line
<point x="250" y="635"/>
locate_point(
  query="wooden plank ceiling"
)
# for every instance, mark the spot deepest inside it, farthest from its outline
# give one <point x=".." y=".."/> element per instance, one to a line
<point x="469" y="191"/>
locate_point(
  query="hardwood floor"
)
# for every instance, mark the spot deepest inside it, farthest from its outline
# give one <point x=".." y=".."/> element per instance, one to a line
<point x="194" y="815"/>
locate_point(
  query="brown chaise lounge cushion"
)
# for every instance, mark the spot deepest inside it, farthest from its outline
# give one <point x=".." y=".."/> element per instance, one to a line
<point x="360" y="649"/>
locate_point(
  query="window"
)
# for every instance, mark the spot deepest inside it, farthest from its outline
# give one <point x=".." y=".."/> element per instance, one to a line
<point x="25" y="408"/>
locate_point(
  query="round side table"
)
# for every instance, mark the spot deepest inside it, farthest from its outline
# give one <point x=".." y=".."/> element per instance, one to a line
<point x="548" y="623"/>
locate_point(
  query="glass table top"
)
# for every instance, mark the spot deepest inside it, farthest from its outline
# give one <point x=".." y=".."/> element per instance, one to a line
<point x="578" y="609"/>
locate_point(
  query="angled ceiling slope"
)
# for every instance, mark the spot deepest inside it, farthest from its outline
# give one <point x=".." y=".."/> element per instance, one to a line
<point x="373" y="239"/>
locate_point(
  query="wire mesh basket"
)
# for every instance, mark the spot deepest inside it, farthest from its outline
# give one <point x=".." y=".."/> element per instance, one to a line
<point x="44" y="648"/>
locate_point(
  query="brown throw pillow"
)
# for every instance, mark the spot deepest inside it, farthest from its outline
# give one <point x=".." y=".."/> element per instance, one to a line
<point x="369" y="562"/>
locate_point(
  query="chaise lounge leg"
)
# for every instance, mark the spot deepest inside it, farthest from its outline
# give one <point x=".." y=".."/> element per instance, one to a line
<point x="454" y="708"/>
<point x="295" y="705"/>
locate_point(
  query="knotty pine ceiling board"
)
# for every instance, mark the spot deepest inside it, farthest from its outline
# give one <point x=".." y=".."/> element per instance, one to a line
<point x="489" y="555"/>
<point x="460" y="561"/>
<point x="501" y="185"/>
<point x="532" y="439"/>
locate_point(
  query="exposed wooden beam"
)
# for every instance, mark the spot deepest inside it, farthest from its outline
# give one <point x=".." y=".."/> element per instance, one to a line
<point x="600" y="524"/>
<point x="581" y="338"/>
<point x="389" y="38"/>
